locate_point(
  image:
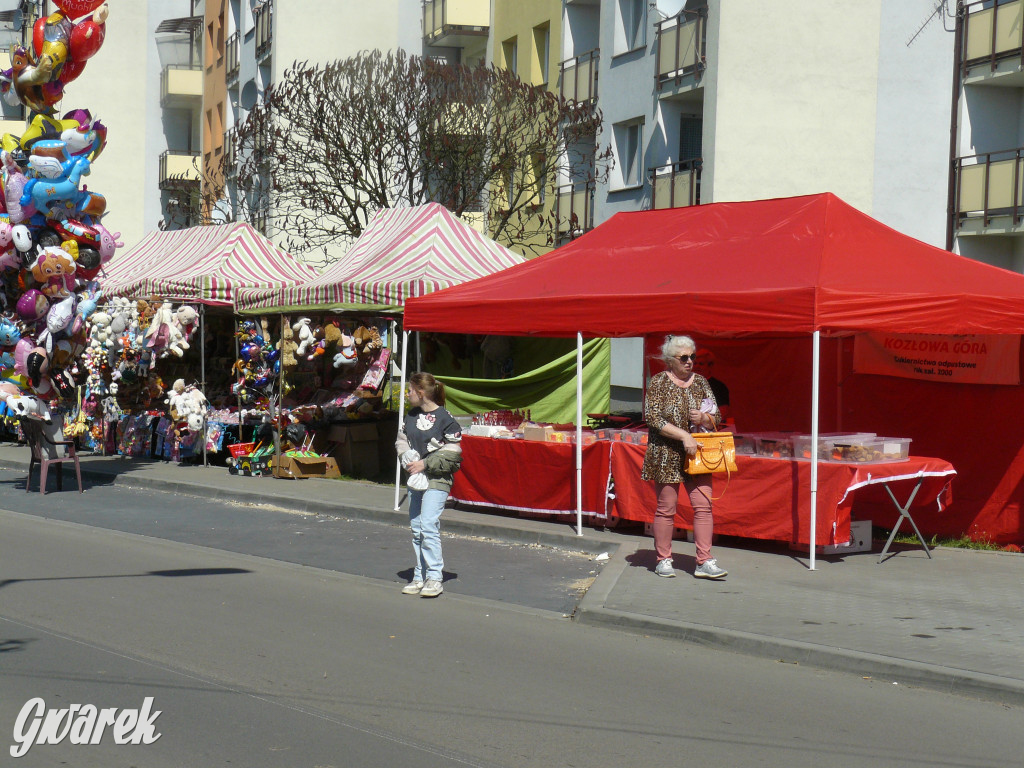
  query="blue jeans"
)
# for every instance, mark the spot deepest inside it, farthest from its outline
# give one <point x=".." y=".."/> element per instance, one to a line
<point x="425" y="508"/>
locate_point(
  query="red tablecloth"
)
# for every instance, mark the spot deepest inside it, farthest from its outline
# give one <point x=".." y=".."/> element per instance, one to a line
<point x="771" y="498"/>
<point x="531" y="476"/>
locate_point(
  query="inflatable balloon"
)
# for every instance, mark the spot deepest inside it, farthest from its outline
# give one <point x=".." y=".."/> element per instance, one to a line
<point x="32" y="305"/>
<point x="78" y="8"/>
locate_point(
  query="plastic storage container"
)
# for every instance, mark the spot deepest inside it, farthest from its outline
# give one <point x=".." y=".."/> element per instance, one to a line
<point x="874" y="449"/>
<point x="895" y="448"/>
<point x="774" y="446"/>
<point x="826" y="441"/>
<point x="746" y="445"/>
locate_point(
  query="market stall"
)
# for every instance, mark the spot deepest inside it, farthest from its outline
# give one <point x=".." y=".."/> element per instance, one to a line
<point x="769" y="271"/>
<point x="202" y="268"/>
<point x="403" y="252"/>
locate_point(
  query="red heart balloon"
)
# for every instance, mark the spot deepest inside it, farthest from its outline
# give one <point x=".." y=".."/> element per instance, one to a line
<point x="71" y="70"/>
<point x="86" y="39"/>
<point x="75" y="8"/>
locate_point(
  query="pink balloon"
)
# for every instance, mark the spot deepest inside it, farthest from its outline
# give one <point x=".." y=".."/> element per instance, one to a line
<point x="21" y="352"/>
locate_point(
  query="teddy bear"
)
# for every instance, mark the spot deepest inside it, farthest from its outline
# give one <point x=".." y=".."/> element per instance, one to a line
<point x="288" y="348"/>
<point x="101" y="334"/>
<point x="186" y="319"/>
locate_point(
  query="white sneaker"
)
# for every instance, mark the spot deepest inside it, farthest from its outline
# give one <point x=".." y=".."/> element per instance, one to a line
<point x="431" y="588"/>
<point x="709" y="570"/>
<point x="412" y="588"/>
<point x="664" y="568"/>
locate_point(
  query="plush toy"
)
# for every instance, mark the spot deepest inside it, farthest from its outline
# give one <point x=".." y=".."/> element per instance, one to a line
<point x="158" y="335"/>
<point x="304" y="333"/>
<point x="288" y="348"/>
<point x="186" y="319"/>
<point x="145" y="312"/>
<point x="101" y="334"/>
<point x="347" y="354"/>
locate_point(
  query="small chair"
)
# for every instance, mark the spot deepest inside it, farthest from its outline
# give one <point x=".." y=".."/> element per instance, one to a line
<point x="42" y="447"/>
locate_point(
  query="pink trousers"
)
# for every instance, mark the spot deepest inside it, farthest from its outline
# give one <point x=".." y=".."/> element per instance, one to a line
<point x="664" y="515"/>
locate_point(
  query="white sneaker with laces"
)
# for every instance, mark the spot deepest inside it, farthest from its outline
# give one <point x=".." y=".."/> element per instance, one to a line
<point x="431" y="588"/>
<point x="412" y="588"/>
<point x="709" y="570"/>
<point x="664" y="568"/>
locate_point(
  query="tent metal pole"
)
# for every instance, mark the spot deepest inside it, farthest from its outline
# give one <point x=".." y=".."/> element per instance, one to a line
<point x="401" y="413"/>
<point x="202" y="371"/>
<point x="579" y="433"/>
<point x="815" y="384"/>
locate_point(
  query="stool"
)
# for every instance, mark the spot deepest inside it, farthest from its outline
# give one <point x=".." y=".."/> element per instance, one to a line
<point x="44" y="450"/>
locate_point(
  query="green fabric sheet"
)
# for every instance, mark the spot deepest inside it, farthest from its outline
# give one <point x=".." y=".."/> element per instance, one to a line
<point x="547" y="386"/>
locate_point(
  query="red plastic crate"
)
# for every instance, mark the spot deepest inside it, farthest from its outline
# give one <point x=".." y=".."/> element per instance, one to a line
<point x="241" y="449"/>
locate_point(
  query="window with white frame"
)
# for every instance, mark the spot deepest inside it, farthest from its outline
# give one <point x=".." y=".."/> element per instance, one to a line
<point x="631" y="25"/>
<point x="629" y="143"/>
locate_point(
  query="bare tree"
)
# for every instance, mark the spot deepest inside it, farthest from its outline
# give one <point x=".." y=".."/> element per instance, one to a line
<point x="329" y="146"/>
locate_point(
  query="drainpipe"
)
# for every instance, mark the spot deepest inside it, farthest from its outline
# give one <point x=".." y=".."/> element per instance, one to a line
<point x="951" y="212"/>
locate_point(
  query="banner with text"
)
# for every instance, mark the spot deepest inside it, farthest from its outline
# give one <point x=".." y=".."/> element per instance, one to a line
<point x="956" y="359"/>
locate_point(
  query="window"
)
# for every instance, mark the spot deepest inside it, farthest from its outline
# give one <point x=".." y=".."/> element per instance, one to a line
<point x="690" y="139"/>
<point x="629" y="140"/>
<point x="541" y="37"/>
<point x="510" y="51"/>
<point x="631" y="29"/>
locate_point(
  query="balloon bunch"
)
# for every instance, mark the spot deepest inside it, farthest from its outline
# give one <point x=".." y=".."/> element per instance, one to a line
<point x="258" y="366"/>
<point x="52" y="242"/>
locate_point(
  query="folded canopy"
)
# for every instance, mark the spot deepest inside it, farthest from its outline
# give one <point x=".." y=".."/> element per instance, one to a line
<point x="402" y="252"/>
<point x="784" y="266"/>
<point x="204" y="264"/>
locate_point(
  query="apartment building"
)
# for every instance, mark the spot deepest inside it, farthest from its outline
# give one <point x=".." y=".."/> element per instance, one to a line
<point x="986" y="189"/>
<point x="719" y="100"/>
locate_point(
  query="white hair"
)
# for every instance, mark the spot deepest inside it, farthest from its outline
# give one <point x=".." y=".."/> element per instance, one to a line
<point x="675" y="344"/>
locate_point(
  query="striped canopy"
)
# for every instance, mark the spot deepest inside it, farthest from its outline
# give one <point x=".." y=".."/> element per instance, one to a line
<point x="204" y="264"/>
<point x="402" y="252"/>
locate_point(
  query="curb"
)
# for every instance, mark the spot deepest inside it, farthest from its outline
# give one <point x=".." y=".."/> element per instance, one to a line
<point x="592" y="611"/>
<point x="482" y="528"/>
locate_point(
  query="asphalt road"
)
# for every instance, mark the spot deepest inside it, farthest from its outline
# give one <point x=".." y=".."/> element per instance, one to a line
<point x="260" y="662"/>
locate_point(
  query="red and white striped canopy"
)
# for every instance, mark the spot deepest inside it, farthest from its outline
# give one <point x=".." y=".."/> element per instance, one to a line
<point x="204" y="264"/>
<point x="402" y="252"/>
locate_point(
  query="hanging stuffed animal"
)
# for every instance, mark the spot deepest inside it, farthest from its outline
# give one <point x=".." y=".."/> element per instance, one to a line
<point x="288" y="348"/>
<point x="304" y="335"/>
<point x="347" y="354"/>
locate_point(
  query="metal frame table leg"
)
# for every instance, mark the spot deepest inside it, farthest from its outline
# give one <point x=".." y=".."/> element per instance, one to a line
<point x="904" y="511"/>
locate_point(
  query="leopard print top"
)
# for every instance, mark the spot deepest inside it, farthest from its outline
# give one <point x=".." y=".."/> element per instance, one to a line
<point x="669" y="403"/>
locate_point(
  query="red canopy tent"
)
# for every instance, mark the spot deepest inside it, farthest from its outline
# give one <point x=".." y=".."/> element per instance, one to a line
<point x="772" y="268"/>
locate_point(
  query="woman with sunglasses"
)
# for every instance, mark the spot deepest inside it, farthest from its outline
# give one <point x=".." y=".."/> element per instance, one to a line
<point x="679" y="402"/>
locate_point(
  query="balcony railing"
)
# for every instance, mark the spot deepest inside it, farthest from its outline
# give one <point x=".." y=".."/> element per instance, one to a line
<point x="264" y="17"/>
<point x="178" y="169"/>
<point x="231" y="61"/>
<point x="455" y="23"/>
<point x="676" y="185"/>
<point x="579" y="77"/>
<point x="990" y="185"/>
<point x="574" y="208"/>
<point x="181" y="85"/>
<point x="682" y="44"/>
<point x="992" y="32"/>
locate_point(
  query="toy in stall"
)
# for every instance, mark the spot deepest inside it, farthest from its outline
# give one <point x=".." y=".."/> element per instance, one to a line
<point x="346" y="354"/>
<point x="288" y="348"/>
<point x="303" y="331"/>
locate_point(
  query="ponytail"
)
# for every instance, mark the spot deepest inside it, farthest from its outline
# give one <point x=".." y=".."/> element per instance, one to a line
<point x="431" y="388"/>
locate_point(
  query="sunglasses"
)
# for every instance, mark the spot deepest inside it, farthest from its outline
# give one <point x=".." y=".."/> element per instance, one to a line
<point x="685" y="358"/>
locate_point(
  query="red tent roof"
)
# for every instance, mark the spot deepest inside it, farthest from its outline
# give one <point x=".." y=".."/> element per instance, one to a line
<point x="780" y="267"/>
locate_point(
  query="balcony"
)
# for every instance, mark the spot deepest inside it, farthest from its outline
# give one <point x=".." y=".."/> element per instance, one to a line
<point x="579" y="77"/>
<point x="181" y="85"/>
<point x="179" y="169"/>
<point x="993" y="42"/>
<point x="676" y="185"/>
<point x="574" y="208"/>
<point x="263" y="16"/>
<point x="455" y="23"/>
<point x="231" y="62"/>
<point x="990" y="192"/>
<point x="682" y="42"/>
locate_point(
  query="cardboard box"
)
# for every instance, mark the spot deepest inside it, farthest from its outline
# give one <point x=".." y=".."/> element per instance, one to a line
<point x="540" y="433"/>
<point x="355" y="448"/>
<point x="297" y="468"/>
